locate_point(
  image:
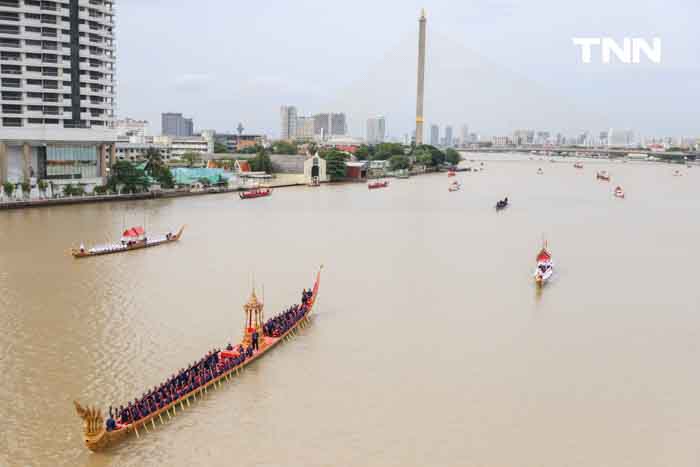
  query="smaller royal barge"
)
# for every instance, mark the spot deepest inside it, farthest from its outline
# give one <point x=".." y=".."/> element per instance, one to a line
<point x="256" y="193"/>
<point x="134" y="238"/>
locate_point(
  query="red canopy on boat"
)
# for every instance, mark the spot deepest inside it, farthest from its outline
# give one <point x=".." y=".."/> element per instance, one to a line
<point x="134" y="232"/>
<point x="544" y="255"/>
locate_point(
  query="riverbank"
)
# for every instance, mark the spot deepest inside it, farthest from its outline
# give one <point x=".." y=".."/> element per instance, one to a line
<point x="162" y="194"/>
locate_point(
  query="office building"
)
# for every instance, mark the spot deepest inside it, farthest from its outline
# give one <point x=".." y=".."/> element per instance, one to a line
<point x="434" y="135"/>
<point x="305" y="128"/>
<point x="322" y="125"/>
<point x="376" y="130"/>
<point x="339" y="125"/>
<point x="57" y="65"/>
<point x="448" y="136"/>
<point x="288" y="122"/>
<point x="174" y="124"/>
<point x="129" y="128"/>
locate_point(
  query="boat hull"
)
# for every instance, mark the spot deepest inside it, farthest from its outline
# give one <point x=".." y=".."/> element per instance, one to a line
<point x="106" y="439"/>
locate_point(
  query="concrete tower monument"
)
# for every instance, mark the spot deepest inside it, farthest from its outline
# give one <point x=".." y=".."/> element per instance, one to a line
<point x="421" y="77"/>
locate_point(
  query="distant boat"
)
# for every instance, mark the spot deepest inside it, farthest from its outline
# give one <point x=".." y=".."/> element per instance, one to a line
<point x="540" y="171"/>
<point x="578" y="165"/>
<point x="545" y="267"/>
<point x="454" y="186"/>
<point x="502" y="204"/>
<point x="603" y="175"/>
<point x="619" y="192"/>
<point x="134" y="238"/>
<point x="451" y="173"/>
<point x="256" y="193"/>
<point x="677" y="173"/>
<point x="375" y="185"/>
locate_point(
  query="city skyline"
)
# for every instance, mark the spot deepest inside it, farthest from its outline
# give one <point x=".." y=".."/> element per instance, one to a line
<point x="221" y="94"/>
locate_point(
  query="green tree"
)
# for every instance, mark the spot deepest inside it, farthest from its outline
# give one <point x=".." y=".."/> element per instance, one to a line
<point x="284" y="147"/>
<point x="220" y="148"/>
<point x="157" y="169"/>
<point x="452" y="156"/>
<point x="423" y="157"/>
<point x="251" y="149"/>
<point x="126" y="174"/>
<point x="384" y="151"/>
<point x="261" y="162"/>
<point x="399" y="162"/>
<point x="26" y="189"/>
<point x="68" y="190"/>
<point x="437" y="157"/>
<point x="362" y="152"/>
<point x="335" y="164"/>
<point x="8" y="188"/>
<point x="43" y="186"/>
<point x="191" y="158"/>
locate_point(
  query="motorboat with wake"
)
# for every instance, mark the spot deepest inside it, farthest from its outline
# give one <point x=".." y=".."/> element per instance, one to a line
<point x="454" y="186"/>
<point x="619" y="192"/>
<point x="378" y="184"/>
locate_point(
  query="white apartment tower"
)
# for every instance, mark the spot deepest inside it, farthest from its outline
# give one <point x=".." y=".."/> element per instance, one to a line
<point x="288" y="122"/>
<point x="376" y="129"/>
<point x="57" y="88"/>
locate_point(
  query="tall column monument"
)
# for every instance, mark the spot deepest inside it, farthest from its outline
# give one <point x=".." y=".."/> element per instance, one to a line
<point x="421" y="77"/>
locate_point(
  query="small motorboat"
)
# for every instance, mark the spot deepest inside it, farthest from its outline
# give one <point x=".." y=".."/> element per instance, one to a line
<point x="502" y="204"/>
<point x="603" y="175"/>
<point x="381" y="184"/>
<point x="619" y="192"/>
<point x="256" y="193"/>
<point x="578" y="165"/>
<point x="540" y="171"/>
<point x="454" y="186"/>
<point x="677" y="173"/>
<point x="545" y="267"/>
<point x="451" y="173"/>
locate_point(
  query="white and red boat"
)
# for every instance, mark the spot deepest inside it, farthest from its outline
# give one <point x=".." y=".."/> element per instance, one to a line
<point x="619" y="192"/>
<point x="578" y="165"/>
<point x="603" y="175"/>
<point x="454" y="186"/>
<point x="451" y="173"/>
<point x="256" y="193"/>
<point x="545" y="266"/>
<point x="378" y="184"/>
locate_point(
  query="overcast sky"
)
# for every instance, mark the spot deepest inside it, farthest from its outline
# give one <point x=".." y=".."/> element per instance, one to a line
<point x="496" y="65"/>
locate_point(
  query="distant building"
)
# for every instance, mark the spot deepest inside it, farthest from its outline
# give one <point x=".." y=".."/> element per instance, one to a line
<point x="127" y="128"/>
<point x="339" y="125"/>
<point x="523" y="137"/>
<point x="305" y="128"/>
<point x="288" y="122"/>
<point x="174" y="124"/>
<point x="322" y="125"/>
<point x="184" y="144"/>
<point x="448" y="136"/>
<point x="376" y="130"/>
<point x="434" y="135"/>
<point x="502" y="141"/>
<point x="237" y="142"/>
<point x="464" y="134"/>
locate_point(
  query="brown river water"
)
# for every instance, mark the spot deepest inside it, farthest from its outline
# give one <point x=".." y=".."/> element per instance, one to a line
<point x="429" y="347"/>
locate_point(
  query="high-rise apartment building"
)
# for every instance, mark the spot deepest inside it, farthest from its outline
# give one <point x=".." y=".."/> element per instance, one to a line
<point x="174" y="124"/>
<point x="448" y="136"/>
<point x="434" y="135"/>
<point x="376" y="130"/>
<point x="464" y="134"/>
<point x="57" y="88"/>
<point x="288" y="122"/>
<point x="339" y="126"/>
<point x="305" y="128"/>
<point x="322" y="124"/>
